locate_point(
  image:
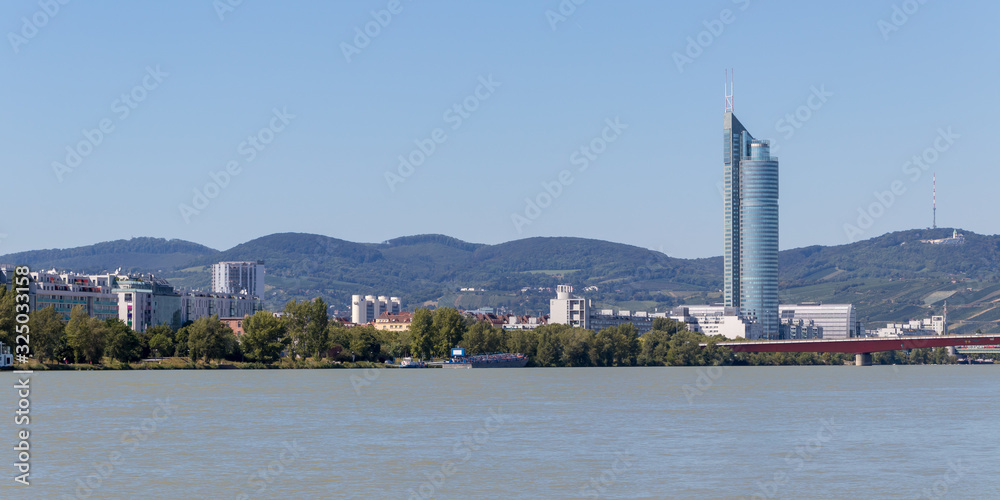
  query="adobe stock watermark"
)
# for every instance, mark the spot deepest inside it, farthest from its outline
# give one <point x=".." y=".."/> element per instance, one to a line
<point x="564" y="11"/>
<point x="463" y="450"/>
<point x="697" y="44"/>
<point x="260" y="480"/>
<point x="224" y="7"/>
<point x="364" y="35"/>
<point x="796" y="460"/>
<point x="706" y="379"/>
<point x="248" y="150"/>
<point x="597" y="487"/>
<point x="582" y="158"/>
<point x="913" y="168"/>
<point x="456" y="115"/>
<point x="122" y="107"/>
<point x="940" y="488"/>
<point x="30" y="26"/>
<point x="792" y="122"/>
<point x="900" y="15"/>
<point x="370" y="376"/>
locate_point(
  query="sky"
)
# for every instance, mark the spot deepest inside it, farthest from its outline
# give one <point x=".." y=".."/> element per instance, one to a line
<point x="222" y="121"/>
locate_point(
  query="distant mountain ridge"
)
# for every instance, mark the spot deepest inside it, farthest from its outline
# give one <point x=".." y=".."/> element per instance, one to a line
<point x="892" y="277"/>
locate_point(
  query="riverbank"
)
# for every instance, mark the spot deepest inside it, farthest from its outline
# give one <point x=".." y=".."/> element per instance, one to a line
<point x="186" y="363"/>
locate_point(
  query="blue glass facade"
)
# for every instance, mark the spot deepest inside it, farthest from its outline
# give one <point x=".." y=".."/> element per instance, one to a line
<point x="734" y="141"/>
<point x="759" y="237"/>
<point x="751" y="226"/>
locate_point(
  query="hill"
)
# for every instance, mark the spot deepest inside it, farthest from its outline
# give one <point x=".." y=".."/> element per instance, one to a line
<point x="136" y="254"/>
<point x="893" y="277"/>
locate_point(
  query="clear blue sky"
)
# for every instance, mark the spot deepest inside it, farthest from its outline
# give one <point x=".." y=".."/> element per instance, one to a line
<point x="324" y="172"/>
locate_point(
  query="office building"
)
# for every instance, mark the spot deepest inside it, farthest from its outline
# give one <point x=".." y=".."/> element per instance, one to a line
<point x="243" y="277"/>
<point x="750" y="253"/>
<point x="822" y="321"/>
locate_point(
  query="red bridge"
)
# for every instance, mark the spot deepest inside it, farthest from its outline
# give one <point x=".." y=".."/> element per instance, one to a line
<point x="862" y="347"/>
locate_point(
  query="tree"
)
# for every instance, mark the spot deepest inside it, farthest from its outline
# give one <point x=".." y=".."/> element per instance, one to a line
<point x="161" y="345"/>
<point x="209" y="338"/>
<point x="181" y="340"/>
<point x="340" y="337"/>
<point x="123" y="343"/>
<point x="653" y="347"/>
<point x="576" y="346"/>
<point x="365" y="343"/>
<point x="685" y="349"/>
<point x="316" y="339"/>
<point x="296" y="319"/>
<point x="422" y="333"/>
<point x="524" y="342"/>
<point x="86" y="336"/>
<point x="449" y="327"/>
<point x="7" y="317"/>
<point x="306" y="325"/>
<point x="164" y="345"/>
<point x="48" y="332"/>
<point x="265" y="338"/>
<point x="668" y="326"/>
<point x="474" y="340"/>
<point x="626" y="344"/>
<point x="548" y="353"/>
<point x="602" y="349"/>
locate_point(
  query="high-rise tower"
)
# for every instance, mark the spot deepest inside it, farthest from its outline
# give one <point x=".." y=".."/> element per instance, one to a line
<point x="750" y="222"/>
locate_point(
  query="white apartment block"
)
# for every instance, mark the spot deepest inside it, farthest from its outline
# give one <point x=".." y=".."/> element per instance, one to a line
<point x="364" y="309"/>
<point x="565" y="310"/>
<point x="935" y="325"/>
<point x="716" y="320"/>
<point x="138" y="301"/>
<point x="238" y="277"/>
<point x="64" y="291"/>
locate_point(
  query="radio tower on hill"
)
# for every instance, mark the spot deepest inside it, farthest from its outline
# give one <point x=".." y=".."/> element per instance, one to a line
<point x="934" y="200"/>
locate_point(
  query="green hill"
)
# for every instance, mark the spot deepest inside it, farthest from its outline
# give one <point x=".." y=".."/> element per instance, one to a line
<point x="893" y="277"/>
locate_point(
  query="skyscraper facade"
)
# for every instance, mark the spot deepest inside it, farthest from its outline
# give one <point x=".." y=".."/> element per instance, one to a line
<point x="751" y="225"/>
<point x="759" y="237"/>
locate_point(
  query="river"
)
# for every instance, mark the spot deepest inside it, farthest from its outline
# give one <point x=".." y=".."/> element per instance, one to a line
<point x="752" y="432"/>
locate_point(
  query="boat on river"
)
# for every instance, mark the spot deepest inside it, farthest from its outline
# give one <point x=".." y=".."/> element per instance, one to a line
<point x="496" y="360"/>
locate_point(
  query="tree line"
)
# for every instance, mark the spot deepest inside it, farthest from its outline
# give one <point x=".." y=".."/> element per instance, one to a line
<point x="305" y="330"/>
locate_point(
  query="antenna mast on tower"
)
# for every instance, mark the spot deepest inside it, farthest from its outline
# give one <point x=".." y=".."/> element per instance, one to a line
<point x="729" y="90"/>
<point x="934" y="200"/>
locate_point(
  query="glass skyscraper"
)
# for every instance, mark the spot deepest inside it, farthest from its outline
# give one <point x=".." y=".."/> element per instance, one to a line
<point x="751" y="226"/>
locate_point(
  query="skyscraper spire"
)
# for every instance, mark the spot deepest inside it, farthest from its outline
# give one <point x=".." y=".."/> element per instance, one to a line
<point x="728" y="86"/>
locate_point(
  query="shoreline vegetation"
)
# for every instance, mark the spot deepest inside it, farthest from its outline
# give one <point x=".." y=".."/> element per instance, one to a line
<point x="303" y="337"/>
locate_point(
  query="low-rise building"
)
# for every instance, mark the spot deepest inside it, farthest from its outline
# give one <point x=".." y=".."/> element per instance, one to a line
<point x="515" y="322"/>
<point x="398" y="322"/>
<point x="235" y="324"/>
<point x="935" y="325"/>
<point x="822" y="321"/>
<point x="716" y="320"/>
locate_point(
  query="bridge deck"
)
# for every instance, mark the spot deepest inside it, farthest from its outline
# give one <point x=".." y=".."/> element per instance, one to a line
<point x="860" y="345"/>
